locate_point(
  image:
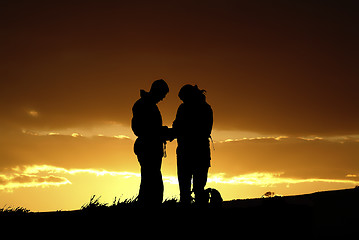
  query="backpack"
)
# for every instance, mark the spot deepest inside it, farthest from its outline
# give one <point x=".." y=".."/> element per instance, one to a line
<point x="214" y="198"/>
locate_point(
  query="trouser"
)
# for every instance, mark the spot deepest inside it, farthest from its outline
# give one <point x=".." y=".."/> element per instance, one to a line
<point x="186" y="172"/>
<point x="151" y="188"/>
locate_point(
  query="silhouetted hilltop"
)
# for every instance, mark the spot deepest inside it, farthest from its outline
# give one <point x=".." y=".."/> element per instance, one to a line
<point x="334" y="198"/>
<point x="329" y="213"/>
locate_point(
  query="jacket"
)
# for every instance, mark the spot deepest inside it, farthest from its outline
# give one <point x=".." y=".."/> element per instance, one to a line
<point x="193" y="127"/>
<point x="147" y="126"/>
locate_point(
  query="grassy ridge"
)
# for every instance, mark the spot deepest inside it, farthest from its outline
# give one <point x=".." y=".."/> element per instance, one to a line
<point x="323" y="214"/>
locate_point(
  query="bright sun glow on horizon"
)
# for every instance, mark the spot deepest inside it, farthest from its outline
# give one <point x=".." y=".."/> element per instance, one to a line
<point x="54" y="180"/>
<point x="46" y="176"/>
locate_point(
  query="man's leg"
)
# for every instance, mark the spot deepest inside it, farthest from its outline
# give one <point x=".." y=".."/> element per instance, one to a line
<point x="145" y="188"/>
<point x="158" y="188"/>
<point x="151" y="188"/>
<point x="156" y="182"/>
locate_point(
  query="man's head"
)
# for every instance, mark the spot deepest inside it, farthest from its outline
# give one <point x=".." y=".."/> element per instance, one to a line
<point x="159" y="90"/>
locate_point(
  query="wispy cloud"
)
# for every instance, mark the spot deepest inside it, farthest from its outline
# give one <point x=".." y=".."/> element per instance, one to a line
<point x="335" y="139"/>
<point x="48" y="176"/>
<point x="47" y="169"/>
<point x="16" y="180"/>
<point x="270" y="179"/>
<point x="121" y="137"/>
<point x="72" y="134"/>
<point x="253" y="138"/>
<point x="33" y="113"/>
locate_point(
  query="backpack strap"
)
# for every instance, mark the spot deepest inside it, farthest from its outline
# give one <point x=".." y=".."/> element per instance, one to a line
<point x="212" y="142"/>
<point x="164" y="149"/>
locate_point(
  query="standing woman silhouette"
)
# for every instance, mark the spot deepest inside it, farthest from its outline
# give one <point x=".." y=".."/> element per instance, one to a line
<point x="193" y="127"/>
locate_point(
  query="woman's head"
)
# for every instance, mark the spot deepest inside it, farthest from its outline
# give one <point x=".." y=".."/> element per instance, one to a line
<point x="193" y="94"/>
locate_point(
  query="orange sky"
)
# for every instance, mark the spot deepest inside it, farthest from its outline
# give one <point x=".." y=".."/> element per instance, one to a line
<point x="282" y="79"/>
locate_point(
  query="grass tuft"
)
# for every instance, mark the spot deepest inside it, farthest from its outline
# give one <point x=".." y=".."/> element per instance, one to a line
<point x="13" y="210"/>
<point x="94" y="204"/>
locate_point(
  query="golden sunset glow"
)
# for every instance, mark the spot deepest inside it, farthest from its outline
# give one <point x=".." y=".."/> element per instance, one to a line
<point x="282" y="80"/>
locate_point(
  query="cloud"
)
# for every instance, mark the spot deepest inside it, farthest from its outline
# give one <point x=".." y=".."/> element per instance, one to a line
<point x="75" y="135"/>
<point x="28" y="176"/>
<point x="121" y="137"/>
<point x="47" y="169"/>
<point x="10" y="182"/>
<point x="309" y="158"/>
<point x="52" y="176"/>
<point x="47" y="176"/>
<point x="67" y="151"/>
<point x="265" y="179"/>
<point x="254" y="138"/>
<point x="33" y="113"/>
<point x="295" y="157"/>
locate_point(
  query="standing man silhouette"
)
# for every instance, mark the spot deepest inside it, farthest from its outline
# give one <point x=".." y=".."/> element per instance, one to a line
<point x="149" y="146"/>
<point x="193" y="127"/>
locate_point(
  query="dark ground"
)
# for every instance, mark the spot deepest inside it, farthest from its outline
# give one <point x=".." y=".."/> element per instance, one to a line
<point x="321" y="214"/>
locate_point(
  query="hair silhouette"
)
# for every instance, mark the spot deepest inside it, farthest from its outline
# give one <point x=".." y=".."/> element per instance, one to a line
<point x="192" y="127"/>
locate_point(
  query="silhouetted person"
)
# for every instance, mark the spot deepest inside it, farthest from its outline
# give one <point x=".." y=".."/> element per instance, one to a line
<point x="192" y="127"/>
<point x="149" y="146"/>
